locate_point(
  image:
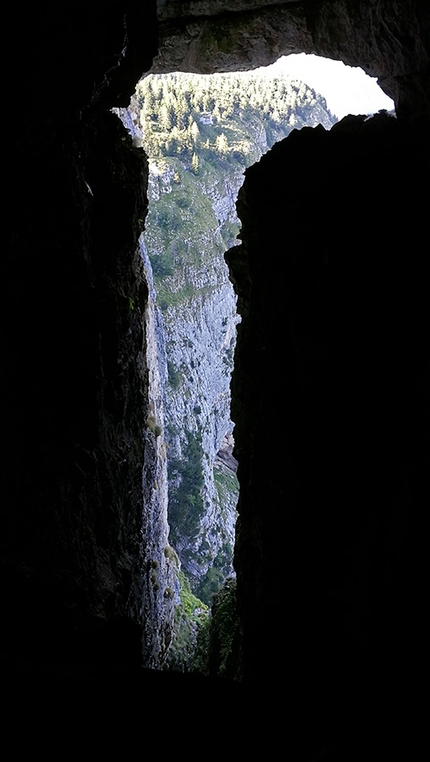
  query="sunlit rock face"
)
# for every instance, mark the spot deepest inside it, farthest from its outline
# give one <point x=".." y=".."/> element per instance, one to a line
<point x="199" y="332"/>
<point x="388" y="40"/>
<point x="158" y="561"/>
<point x="192" y="220"/>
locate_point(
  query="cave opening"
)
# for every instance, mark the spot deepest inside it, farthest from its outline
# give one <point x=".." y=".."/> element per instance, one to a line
<point x="331" y="582"/>
<point x="200" y="133"/>
<point x="331" y="557"/>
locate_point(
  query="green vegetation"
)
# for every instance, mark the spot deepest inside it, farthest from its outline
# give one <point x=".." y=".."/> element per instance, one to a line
<point x="214" y="118"/>
<point x="191" y="618"/>
<point x="186" y="502"/>
<point x="215" y="576"/>
<point x="217" y="642"/>
<point x="224" y="631"/>
<point x="174" y="375"/>
<point x="200" y="132"/>
<point x="204" y="641"/>
<point x="153" y="426"/>
<point x="179" y="232"/>
<point x="192" y="606"/>
<point x="226" y="483"/>
<point x="171" y="554"/>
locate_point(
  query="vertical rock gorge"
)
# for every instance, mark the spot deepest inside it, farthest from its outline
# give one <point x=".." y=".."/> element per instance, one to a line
<point x="331" y="550"/>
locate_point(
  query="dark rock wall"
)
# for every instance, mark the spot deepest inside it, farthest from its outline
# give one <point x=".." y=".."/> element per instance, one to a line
<point x="389" y="40"/>
<point x="330" y="400"/>
<point x="73" y="381"/>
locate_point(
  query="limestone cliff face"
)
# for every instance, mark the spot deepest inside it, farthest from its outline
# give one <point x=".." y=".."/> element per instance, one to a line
<point x="191" y="358"/>
<point x="160" y="564"/>
<point x="199" y="332"/>
<point x="202" y="134"/>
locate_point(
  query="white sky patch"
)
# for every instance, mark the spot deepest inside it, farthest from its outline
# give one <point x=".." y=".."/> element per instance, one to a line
<point x="347" y="89"/>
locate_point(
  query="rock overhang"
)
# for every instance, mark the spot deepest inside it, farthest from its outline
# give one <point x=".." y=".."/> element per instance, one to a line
<point x="387" y="40"/>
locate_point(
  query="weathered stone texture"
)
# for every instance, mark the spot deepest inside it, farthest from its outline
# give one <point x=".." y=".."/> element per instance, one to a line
<point x="74" y="390"/>
<point x="389" y="40"/>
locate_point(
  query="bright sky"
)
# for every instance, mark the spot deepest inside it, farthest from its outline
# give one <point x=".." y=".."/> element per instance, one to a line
<point x="347" y="90"/>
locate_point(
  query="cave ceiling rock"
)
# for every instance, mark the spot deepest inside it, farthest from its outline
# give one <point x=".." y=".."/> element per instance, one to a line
<point x="387" y="38"/>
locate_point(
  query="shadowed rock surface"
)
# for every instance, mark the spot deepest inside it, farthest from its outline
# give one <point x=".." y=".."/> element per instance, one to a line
<point x="386" y="39"/>
<point x="333" y="462"/>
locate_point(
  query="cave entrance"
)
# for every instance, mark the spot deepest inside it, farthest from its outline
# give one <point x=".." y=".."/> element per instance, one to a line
<point x="200" y="133"/>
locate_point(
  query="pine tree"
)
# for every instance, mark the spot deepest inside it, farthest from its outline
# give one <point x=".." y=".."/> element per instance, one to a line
<point x="171" y="106"/>
<point x="221" y="144"/>
<point x="165" y="118"/>
<point x="195" y="132"/>
<point x="195" y="164"/>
